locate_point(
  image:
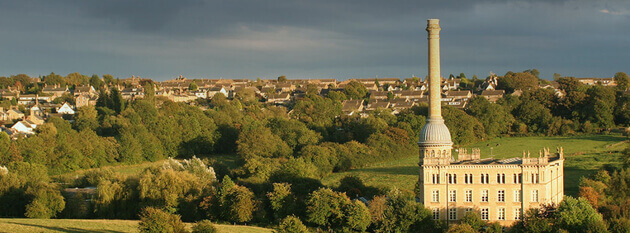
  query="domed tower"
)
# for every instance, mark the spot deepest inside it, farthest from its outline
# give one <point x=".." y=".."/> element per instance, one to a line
<point x="435" y="139"/>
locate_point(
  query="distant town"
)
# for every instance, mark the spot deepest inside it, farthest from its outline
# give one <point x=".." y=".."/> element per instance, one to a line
<point x="28" y="109"/>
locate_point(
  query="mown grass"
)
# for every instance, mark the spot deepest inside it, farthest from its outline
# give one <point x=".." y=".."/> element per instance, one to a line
<point x="584" y="155"/>
<point x="90" y="225"/>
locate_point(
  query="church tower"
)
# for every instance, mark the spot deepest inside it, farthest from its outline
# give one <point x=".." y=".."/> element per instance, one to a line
<point x="435" y="139"/>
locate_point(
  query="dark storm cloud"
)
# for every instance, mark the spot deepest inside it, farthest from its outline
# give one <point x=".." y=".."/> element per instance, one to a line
<point x="341" y="39"/>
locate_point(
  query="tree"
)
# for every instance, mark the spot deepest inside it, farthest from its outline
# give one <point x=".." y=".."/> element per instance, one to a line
<point x="204" y="226"/>
<point x="282" y="200"/>
<point x="282" y="78"/>
<point x="292" y="224"/>
<point x="355" y="90"/>
<point x="577" y="215"/>
<point x="117" y="101"/>
<point x="464" y="128"/>
<point x="260" y="141"/>
<point x="403" y="214"/>
<point x="193" y="86"/>
<point x="600" y="105"/>
<point x="461" y="228"/>
<point x="473" y="220"/>
<point x="535" y="115"/>
<point x="514" y="81"/>
<point x="166" y="188"/>
<point x="238" y="204"/>
<point x="157" y="220"/>
<point x="96" y="82"/>
<point x="622" y="80"/>
<point x="47" y="201"/>
<point x="54" y="79"/>
<point x="622" y="110"/>
<point x="325" y="208"/>
<point x="293" y="132"/>
<point x="495" y="119"/>
<point x="86" y="118"/>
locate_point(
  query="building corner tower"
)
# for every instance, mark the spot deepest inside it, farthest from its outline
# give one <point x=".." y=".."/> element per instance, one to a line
<point x="435" y="139"/>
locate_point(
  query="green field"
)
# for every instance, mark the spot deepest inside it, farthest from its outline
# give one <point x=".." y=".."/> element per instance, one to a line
<point x="583" y="155"/>
<point x="89" y="225"/>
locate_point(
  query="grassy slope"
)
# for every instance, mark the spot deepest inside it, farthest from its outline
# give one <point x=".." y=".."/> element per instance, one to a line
<point x="109" y="226"/>
<point x="583" y="155"/>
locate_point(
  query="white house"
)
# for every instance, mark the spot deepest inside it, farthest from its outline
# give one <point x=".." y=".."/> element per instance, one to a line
<point x="65" y="109"/>
<point x="24" y="127"/>
<point x="217" y="89"/>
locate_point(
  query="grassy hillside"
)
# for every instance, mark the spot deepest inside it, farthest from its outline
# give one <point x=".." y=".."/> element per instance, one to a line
<point x="85" y="225"/>
<point x="583" y="155"/>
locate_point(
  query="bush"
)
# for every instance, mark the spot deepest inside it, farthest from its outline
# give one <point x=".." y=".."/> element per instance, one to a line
<point x="292" y="224"/>
<point x="204" y="226"/>
<point x="157" y="220"/>
<point x="47" y="202"/>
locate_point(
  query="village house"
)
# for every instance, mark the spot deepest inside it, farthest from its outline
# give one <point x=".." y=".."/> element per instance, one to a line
<point x="595" y="81"/>
<point x="14" y="114"/>
<point x="217" y="89"/>
<point x="65" y="109"/>
<point x="378" y="95"/>
<point x="55" y="91"/>
<point x="409" y="94"/>
<point x="24" y="127"/>
<point x="281" y="98"/>
<point x="85" y="100"/>
<point x="132" y="93"/>
<point x="351" y="107"/>
<point x="459" y="95"/>
<point x="85" y="90"/>
<point x="377" y="105"/>
<point x="184" y="98"/>
<point x="493" y="95"/>
<point x="31" y="99"/>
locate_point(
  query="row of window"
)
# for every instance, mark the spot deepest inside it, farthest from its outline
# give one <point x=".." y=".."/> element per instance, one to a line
<point x="468" y="195"/>
<point x="484" y="178"/>
<point x="484" y="212"/>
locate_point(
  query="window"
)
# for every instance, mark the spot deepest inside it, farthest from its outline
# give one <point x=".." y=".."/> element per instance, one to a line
<point x="518" y="213"/>
<point x="535" y="179"/>
<point x="452" y="178"/>
<point x="435" y="196"/>
<point x="468" y="210"/>
<point x="468" y="195"/>
<point x="518" y="178"/>
<point x="436" y="214"/>
<point x="468" y="178"/>
<point x="484" y="214"/>
<point x="534" y="195"/>
<point x="452" y="195"/>
<point x="436" y="178"/>
<point x="501" y="214"/>
<point x="485" y="178"/>
<point x="452" y="214"/>
<point x="500" y="178"/>
<point x="501" y="195"/>
<point x="517" y="195"/>
<point x="484" y="195"/>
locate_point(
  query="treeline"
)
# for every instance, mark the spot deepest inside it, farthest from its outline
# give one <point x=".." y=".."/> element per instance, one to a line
<point x="27" y="85"/>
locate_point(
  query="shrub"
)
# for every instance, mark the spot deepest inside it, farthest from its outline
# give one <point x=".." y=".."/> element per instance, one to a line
<point x="292" y="224"/>
<point x="157" y="220"/>
<point x="204" y="226"/>
<point x="47" y="202"/>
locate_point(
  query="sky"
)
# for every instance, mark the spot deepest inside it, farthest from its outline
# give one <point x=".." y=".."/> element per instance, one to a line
<point x="303" y="39"/>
